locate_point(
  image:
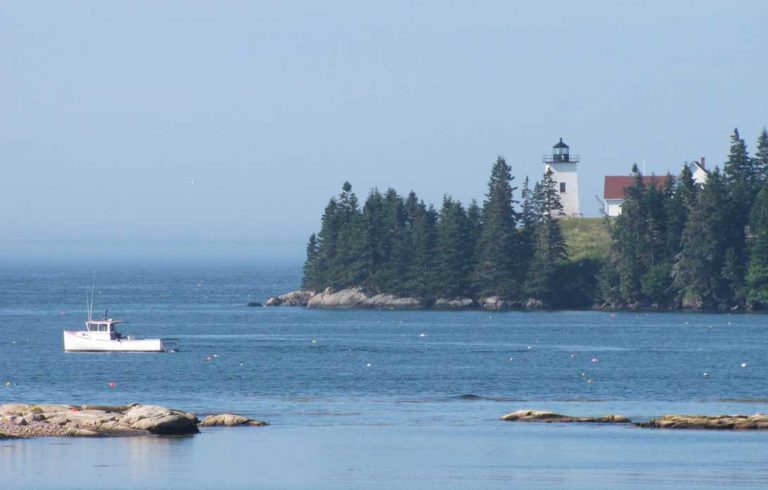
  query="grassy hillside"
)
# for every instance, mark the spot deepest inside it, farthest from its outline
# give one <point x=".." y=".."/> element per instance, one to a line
<point x="586" y="238"/>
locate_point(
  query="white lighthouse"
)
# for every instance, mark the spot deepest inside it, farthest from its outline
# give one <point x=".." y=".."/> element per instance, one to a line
<point x="564" y="166"/>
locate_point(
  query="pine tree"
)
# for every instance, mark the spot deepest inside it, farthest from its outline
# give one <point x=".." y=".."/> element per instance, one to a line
<point x="312" y="279"/>
<point x="698" y="272"/>
<point x="761" y="158"/>
<point x="454" y="252"/>
<point x="423" y="274"/>
<point x="628" y="234"/>
<point x="757" y="274"/>
<point x="495" y="272"/>
<point x="742" y="177"/>
<point x="550" y="252"/>
<point x="349" y="264"/>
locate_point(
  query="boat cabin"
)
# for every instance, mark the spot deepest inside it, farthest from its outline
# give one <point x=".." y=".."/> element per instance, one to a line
<point x="103" y="329"/>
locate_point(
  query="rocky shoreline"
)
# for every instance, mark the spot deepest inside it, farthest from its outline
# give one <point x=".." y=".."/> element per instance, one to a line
<point x="758" y="421"/>
<point x="57" y="420"/>
<point x="353" y="298"/>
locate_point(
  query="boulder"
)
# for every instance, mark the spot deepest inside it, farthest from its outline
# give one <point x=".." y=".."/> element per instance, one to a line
<point x="453" y="304"/>
<point x="160" y="420"/>
<point x="357" y="298"/>
<point x="534" y="304"/>
<point x="493" y="303"/>
<point x="294" y="298"/>
<point x="230" y="420"/>
<point x="544" y="416"/>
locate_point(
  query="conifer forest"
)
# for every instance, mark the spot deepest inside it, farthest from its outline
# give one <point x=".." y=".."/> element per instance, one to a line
<point x="675" y="244"/>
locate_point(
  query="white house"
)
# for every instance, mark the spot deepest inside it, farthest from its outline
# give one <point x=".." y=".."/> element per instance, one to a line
<point x="564" y="166"/>
<point x="700" y="173"/>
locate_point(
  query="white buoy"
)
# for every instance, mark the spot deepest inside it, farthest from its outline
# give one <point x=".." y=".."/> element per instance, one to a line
<point x="706" y="375"/>
<point x="743" y="364"/>
<point x="368" y="365"/>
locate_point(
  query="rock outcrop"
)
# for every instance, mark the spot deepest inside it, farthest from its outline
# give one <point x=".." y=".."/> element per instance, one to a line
<point x="294" y="298"/>
<point x="230" y="420"/>
<point x="717" y="422"/>
<point x="159" y="420"/>
<point x="357" y="298"/>
<point x="453" y="304"/>
<point x="543" y="416"/>
<point x="21" y="420"/>
<point x="493" y="303"/>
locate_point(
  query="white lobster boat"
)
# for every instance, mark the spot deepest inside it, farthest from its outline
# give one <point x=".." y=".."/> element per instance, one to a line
<point x="102" y="336"/>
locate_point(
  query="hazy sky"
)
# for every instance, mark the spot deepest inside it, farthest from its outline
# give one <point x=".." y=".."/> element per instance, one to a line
<point x="109" y="111"/>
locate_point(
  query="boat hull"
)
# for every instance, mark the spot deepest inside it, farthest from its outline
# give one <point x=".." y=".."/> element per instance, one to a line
<point x="80" y="341"/>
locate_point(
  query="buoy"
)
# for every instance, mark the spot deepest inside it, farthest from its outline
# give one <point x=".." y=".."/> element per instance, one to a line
<point x="530" y="347"/>
<point x="422" y="335"/>
<point x="112" y="385"/>
<point x="8" y="383"/>
<point x="573" y="355"/>
<point x="242" y="364"/>
<point x="743" y="364"/>
<point x="589" y="381"/>
<point x="594" y="359"/>
<point x="706" y="375"/>
<point x="583" y="375"/>
<point x="314" y="341"/>
<point x="368" y="365"/>
<point x="209" y="358"/>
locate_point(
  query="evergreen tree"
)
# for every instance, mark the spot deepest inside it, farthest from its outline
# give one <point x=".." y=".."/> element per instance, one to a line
<point x="698" y="273"/>
<point x="422" y="277"/>
<point x="454" y="251"/>
<point x="495" y="272"/>
<point x="628" y="234"/>
<point x="350" y="262"/>
<point x="312" y="279"/>
<point x="400" y="251"/>
<point x="761" y="158"/>
<point x="757" y="274"/>
<point x="550" y="253"/>
<point x="528" y="222"/>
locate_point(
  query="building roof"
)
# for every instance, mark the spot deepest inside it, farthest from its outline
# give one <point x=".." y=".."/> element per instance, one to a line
<point x="560" y="144"/>
<point x="615" y="185"/>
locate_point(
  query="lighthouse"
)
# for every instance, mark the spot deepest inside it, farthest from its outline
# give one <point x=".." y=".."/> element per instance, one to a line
<point x="564" y="173"/>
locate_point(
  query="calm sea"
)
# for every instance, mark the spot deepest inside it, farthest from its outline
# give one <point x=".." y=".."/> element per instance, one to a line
<point x="375" y="399"/>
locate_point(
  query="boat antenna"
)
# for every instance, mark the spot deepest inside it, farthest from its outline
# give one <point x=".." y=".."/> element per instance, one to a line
<point x="90" y="302"/>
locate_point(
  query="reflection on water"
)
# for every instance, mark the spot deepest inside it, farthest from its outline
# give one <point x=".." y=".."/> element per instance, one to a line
<point x="492" y="455"/>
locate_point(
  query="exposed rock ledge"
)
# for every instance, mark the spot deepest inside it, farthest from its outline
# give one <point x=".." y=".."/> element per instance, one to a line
<point x="48" y="420"/>
<point x="542" y="416"/>
<point x="720" y="422"/>
<point x="359" y="298"/>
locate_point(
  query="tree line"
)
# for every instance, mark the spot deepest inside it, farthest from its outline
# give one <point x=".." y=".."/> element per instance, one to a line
<point x="676" y="244"/>
<point x="509" y="249"/>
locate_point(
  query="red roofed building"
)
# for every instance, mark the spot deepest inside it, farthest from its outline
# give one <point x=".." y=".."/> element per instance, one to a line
<point x="616" y="185"/>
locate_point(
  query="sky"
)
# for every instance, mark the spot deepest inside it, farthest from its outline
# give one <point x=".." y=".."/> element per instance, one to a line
<point x="217" y="131"/>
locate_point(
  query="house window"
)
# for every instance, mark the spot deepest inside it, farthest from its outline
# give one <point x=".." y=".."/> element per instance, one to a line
<point x="562" y="187"/>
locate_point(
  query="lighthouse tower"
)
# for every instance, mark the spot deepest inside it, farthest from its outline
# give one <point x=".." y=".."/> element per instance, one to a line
<point x="564" y="173"/>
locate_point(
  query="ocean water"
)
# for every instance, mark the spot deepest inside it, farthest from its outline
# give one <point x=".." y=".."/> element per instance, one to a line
<point x="374" y="399"/>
